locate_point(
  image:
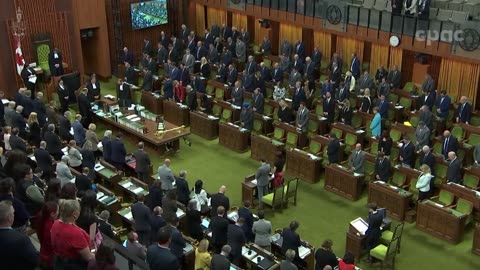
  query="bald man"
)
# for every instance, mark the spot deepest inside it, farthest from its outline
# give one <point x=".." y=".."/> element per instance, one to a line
<point x="357" y="160"/>
<point x="166" y="176"/>
<point x="453" y="170"/>
<point x="219" y="199"/>
<point x="449" y="143"/>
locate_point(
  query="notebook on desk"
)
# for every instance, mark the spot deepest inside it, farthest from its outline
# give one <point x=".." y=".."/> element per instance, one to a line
<point x="266" y="263"/>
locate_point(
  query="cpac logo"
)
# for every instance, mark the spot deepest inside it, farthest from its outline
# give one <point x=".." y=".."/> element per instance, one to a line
<point x="445" y="35"/>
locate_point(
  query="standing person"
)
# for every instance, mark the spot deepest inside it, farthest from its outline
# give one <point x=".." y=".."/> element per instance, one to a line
<point x="357" y="159"/>
<point x="194" y="221"/>
<point x="104" y="258"/>
<point x="118" y="152"/>
<point x="91" y="136"/>
<point x="142" y="217"/>
<point x="134" y="247"/>
<point x="74" y="156"/>
<point x="44" y="221"/>
<point x="202" y="256"/>
<point x="333" y="149"/>
<point x="219" y="199"/>
<point x="454" y="167"/>
<point x="291" y="239"/>
<point x="17" y="249"/>
<point x="107" y="146"/>
<point x="63" y="171"/>
<point x="423" y="183"/>
<point x="200" y="195"/>
<point x="245" y="213"/>
<point x="382" y="168"/>
<point x="159" y="256"/>
<point x="143" y="163"/>
<point x="324" y="256"/>
<point x="55" y="62"/>
<point x="84" y="107"/>
<point x="88" y="159"/>
<point x="34" y="137"/>
<point x="166" y="176"/>
<point x="288" y="264"/>
<point x="263" y="179"/>
<point x="262" y="229"/>
<point x="373" y="232"/>
<point x="63" y="96"/>
<point x="376" y="124"/>
<point x="183" y="191"/>
<point x="44" y="161"/>
<point x="178" y="242"/>
<point x="124" y="94"/>
<point x="236" y="239"/>
<point x="221" y="261"/>
<point x="219" y="228"/>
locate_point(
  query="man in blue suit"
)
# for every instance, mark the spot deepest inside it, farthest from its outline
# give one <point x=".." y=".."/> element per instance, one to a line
<point x="232" y="75"/>
<point x="200" y="51"/>
<point x="383" y="107"/>
<point x="407" y="152"/>
<point x="118" y="152"/>
<point x="299" y="95"/>
<point x="226" y="56"/>
<point x="198" y="84"/>
<point x="327" y="87"/>
<point x="159" y="256"/>
<point x="175" y="73"/>
<point x="464" y="111"/>
<point x="300" y="49"/>
<point x="249" y="83"/>
<point x="277" y="73"/>
<point x="355" y="66"/>
<point x="258" y="101"/>
<point x="443" y="105"/>
<point x="78" y="130"/>
<point x="298" y="63"/>
<point x="168" y="88"/>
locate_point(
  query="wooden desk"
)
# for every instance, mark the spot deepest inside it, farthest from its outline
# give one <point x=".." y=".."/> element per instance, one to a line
<point x="267" y="122"/>
<point x="476" y="240"/>
<point x="354" y="242"/>
<point x="204" y="125"/>
<point x="152" y="102"/>
<point x="395" y="200"/>
<point x="249" y="189"/>
<point x="322" y="123"/>
<point x="107" y="200"/>
<point x="126" y="217"/>
<point x="349" y="129"/>
<point x="228" y="106"/>
<point x="172" y="134"/>
<point x="444" y="223"/>
<point x="176" y="114"/>
<point x="263" y="147"/>
<point x="303" y="165"/>
<point x="465" y="193"/>
<point x="107" y="173"/>
<point x="227" y="91"/>
<point x="302" y="137"/>
<point x="131" y="187"/>
<point x="411" y="174"/>
<point x="232" y="137"/>
<point x="341" y="181"/>
<point x="366" y="117"/>
<point x="306" y="251"/>
<point x="254" y="256"/>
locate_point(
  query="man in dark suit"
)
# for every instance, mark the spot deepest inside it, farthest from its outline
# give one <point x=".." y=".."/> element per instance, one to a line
<point x="63" y="96"/>
<point x="383" y="107"/>
<point x="382" y="168"/>
<point x="246" y="116"/>
<point x="222" y="73"/>
<point x="84" y="107"/>
<point x="221" y="261"/>
<point x="317" y="58"/>
<point x="394" y="78"/>
<point x="464" y="111"/>
<point x="449" y="144"/>
<point x="333" y="148"/>
<point x="426" y="116"/>
<point x="245" y="213"/>
<point x="232" y="75"/>
<point x="226" y="56"/>
<point x="301" y="121"/>
<point x="219" y="228"/>
<point x="82" y="182"/>
<point x="299" y="96"/>
<point x="178" y="243"/>
<point x="428" y="158"/>
<point x="123" y="93"/>
<point x="107" y="146"/>
<point x="147" y="46"/>
<point x="381" y="73"/>
<point x="266" y="46"/>
<point x="54" y="144"/>
<point x="38" y="107"/>
<point x="192" y="102"/>
<point x="329" y="107"/>
<point x="183" y="191"/>
<point x="208" y="38"/>
<point x="335" y="75"/>
<point x="443" y="105"/>
<point x="397" y="6"/>
<point x="159" y="257"/>
<point x="407" y="152"/>
<point x="250" y="66"/>
<point x="291" y="239"/>
<point x="17" y="249"/>
<point x="277" y="73"/>
<point x="237" y="94"/>
<point x="118" y="152"/>
<point x="236" y="239"/>
<point x="258" y="101"/>
<point x="147" y="80"/>
<point x="355" y="66"/>
<point x="373" y="232"/>
<point x="454" y="166"/>
<point x="127" y="56"/>
<point x="142" y="220"/>
<point x="265" y="72"/>
<point x="129" y="75"/>
<point x="428" y="99"/>
<point x="16" y="142"/>
<point x="343" y="92"/>
<point x="300" y="49"/>
<point x="423" y="9"/>
<point x="309" y="71"/>
<point x="200" y="51"/>
<point x="142" y="167"/>
<point x="226" y="32"/>
<point x="44" y="161"/>
<point x="27" y="74"/>
<point x="428" y="84"/>
<point x="55" y="62"/>
<point x="212" y="54"/>
<point x="219" y="199"/>
<point x="93" y="87"/>
<point x="297" y="63"/>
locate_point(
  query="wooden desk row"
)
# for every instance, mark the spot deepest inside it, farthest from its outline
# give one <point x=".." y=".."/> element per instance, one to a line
<point x="340" y="180"/>
<point x="394" y="199"/>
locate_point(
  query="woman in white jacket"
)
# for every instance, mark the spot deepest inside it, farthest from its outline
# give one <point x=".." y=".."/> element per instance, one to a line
<point x="423" y="183"/>
<point x="200" y="195"/>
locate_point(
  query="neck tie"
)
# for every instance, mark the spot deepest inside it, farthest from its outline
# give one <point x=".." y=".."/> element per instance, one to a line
<point x="381" y="161"/>
<point x="461" y="110"/>
<point x="446" y="145"/>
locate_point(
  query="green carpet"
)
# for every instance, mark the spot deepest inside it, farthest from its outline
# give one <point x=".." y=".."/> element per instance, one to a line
<point x="322" y="214"/>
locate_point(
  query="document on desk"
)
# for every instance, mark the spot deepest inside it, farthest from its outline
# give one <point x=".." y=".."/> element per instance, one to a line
<point x="127" y="184"/>
<point x="275" y="237"/>
<point x="180" y="212"/>
<point x="188" y="247"/>
<point x="211" y="117"/>
<point x="98" y="167"/>
<point x="303" y="252"/>
<point x="131" y="116"/>
<point x="357" y="174"/>
<point x="254" y="181"/>
<point x="32" y="79"/>
<point x="138" y="190"/>
<point x="248" y="253"/>
<point x="233" y="215"/>
<point x="205" y="223"/>
<point x="360" y="225"/>
<point x="129" y="215"/>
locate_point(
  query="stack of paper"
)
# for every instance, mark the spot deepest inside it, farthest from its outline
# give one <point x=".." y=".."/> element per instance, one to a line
<point x="303" y="252"/>
<point x="180" y="212"/>
<point x="254" y="181"/>
<point x="138" y="190"/>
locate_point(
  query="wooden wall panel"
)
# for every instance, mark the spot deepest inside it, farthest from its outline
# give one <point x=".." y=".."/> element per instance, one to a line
<point x="218" y="16"/>
<point x="240" y="21"/>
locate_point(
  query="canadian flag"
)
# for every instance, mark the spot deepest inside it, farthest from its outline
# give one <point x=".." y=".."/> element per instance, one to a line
<point x="19" y="56"/>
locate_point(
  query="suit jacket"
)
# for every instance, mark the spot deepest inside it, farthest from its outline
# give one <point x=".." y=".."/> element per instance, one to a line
<point x="346" y="115"/>
<point x="309" y="72"/>
<point x="383" y="169"/>
<point x="302" y="119"/>
<point x="219" y="228"/>
<point x="241" y="51"/>
<point x="200" y="52"/>
<point x="453" y="171"/>
<point x="262" y="175"/>
<point x="428" y="159"/>
<point x="43" y="158"/>
<point x="357" y="161"/>
<point x="291" y="240"/>
<point x="222" y="73"/>
<point x="130" y="75"/>
<point x="428" y="85"/>
<point x="285" y="115"/>
<point x="128" y="57"/>
<point x="27" y="107"/>
<point x="329" y="107"/>
<point x="426" y="117"/>
<point x="262" y="230"/>
<point x="235" y="239"/>
<point x="251" y="67"/>
<point x="118" y="151"/>
<point x="277" y="75"/>
<point x="258" y="102"/>
<point x="237" y="96"/>
<point x="162" y="55"/>
<point x="219" y="262"/>
<point x="394" y="78"/>
<point x="383" y="108"/>
<point x="246" y="117"/>
<point x="383" y="89"/>
<point x="294" y="77"/>
<point x="168" y="89"/>
<point x="78" y="133"/>
<point x="17" y="143"/>
<point x="219" y="199"/>
<point x="52" y="61"/>
<point x="332" y="151"/>
<point x="17" y="250"/>
<point x="298" y="64"/>
<point x="93" y="92"/>
<point x="142" y="217"/>
<point x="192" y="102"/>
<point x="208" y="39"/>
<point x="148" y="81"/>
<point x="245" y="37"/>
<point x="54" y="145"/>
<point x="298" y="97"/>
<point x="226" y="32"/>
<point x="285" y="64"/>
<point x="355" y="67"/>
<point x="227" y="58"/>
<point x="428" y="100"/>
<point x="84" y="105"/>
<point x="300" y="50"/>
<point x="40" y="109"/>
<point x="343" y="93"/>
<point x="444" y="106"/>
<point x="136" y="248"/>
<point x="366" y="104"/>
<point x="451" y="145"/>
<point x="317" y="59"/>
<point x="83" y="183"/>
<point x="124" y="94"/>
<point x="232" y="76"/>
<point x="335" y="76"/>
<point x="166" y="177"/>
<point x="406" y="152"/>
<point x="213" y="56"/>
<point x="422" y="136"/>
<point x="178" y="243"/>
<point x="381" y="73"/>
<point x="142" y="161"/>
<point x="159" y="258"/>
<point x="183" y="192"/>
<point x="287" y="265"/>
<point x="365" y="82"/>
<point x="107" y="148"/>
<point x="464" y="112"/>
<point x="266" y="47"/>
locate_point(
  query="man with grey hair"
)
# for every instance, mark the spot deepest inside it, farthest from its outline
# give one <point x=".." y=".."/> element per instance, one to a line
<point x="54" y="144"/>
<point x="357" y="159"/>
<point x="17" y="249"/>
<point x="63" y="172"/>
<point x="166" y="176"/>
<point x="428" y="157"/>
<point x="221" y="261"/>
<point x="107" y="145"/>
<point x="143" y="163"/>
<point x="183" y="191"/>
<point x="20" y="122"/>
<point x="422" y="135"/>
<point x="44" y="160"/>
<point x="40" y="109"/>
<point x="287" y="264"/>
<point x="10" y="113"/>
<point x="188" y="61"/>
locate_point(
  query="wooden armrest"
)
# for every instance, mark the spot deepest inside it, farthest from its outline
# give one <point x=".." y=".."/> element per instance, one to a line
<point x="434" y="197"/>
<point x="405" y="187"/>
<point x="305" y="148"/>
